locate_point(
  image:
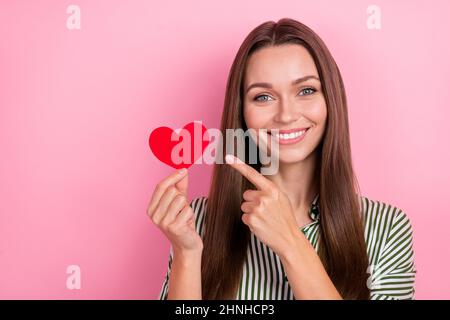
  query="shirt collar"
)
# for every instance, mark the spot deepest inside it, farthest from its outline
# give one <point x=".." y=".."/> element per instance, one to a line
<point x="314" y="209"/>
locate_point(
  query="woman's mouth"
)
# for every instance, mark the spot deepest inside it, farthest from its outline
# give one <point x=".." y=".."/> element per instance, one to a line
<point x="291" y="136"/>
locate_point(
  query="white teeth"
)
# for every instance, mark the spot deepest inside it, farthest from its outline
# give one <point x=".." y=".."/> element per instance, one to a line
<point x="292" y="135"/>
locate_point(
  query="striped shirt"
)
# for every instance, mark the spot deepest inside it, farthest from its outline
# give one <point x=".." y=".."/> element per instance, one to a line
<point x="389" y="243"/>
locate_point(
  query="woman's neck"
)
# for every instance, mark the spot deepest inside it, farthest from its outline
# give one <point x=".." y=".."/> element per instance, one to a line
<point x="298" y="182"/>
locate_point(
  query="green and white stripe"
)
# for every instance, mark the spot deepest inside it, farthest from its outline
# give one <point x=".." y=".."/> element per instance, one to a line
<point x="388" y="235"/>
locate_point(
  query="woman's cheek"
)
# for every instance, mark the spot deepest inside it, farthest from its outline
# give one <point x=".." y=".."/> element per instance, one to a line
<point x="318" y="110"/>
<point x="254" y="118"/>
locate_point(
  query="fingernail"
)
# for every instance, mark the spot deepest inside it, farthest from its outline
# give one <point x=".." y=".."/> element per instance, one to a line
<point x="182" y="171"/>
<point x="229" y="158"/>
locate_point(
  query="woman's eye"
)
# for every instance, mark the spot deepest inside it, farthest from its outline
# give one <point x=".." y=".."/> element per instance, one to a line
<point x="307" y="91"/>
<point x="261" y="100"/>
<point x="265" y="97"/>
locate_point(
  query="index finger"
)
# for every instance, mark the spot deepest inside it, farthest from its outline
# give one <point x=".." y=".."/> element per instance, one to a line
<point x="163" y="185"/>
<point x="261" y="182"/>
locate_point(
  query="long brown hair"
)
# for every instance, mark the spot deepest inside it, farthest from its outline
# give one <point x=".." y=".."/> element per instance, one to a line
<point x="342" y="248"/>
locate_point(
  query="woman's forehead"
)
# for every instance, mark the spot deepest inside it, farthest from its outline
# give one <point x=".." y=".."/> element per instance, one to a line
<point x="279" y="64"/>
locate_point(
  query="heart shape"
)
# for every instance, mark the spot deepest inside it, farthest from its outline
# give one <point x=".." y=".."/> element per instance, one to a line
<point x="189" y="144"/>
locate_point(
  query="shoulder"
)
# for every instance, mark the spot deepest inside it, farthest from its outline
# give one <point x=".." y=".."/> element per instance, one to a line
<point x="389" y="240"/>
<point x="376" y="209"/>
<point x="383" y="222"/>
<point x="198" y="206"/>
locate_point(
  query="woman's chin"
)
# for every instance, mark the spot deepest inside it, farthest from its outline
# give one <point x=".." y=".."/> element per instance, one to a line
<point x="290" y="156"/>
<point x="295" y="156"/>
<point x="290" y="161"/>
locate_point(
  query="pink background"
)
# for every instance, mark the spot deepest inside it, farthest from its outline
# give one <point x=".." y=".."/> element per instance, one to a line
<point x="77" y="107"/>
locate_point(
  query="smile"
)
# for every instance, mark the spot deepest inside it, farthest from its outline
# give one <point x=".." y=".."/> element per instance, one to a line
<point x="290" y="137"/>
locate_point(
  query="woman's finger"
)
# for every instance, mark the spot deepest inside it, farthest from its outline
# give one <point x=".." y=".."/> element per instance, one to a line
<point x="247" y="207"/>
<point x="251" y="195"/>
<point x="161" y="188"/>
<point x="258" y="180"/>
<point x="184" y="216"/>
<point x="161" y="210"/>
<point x="174" y="209"/>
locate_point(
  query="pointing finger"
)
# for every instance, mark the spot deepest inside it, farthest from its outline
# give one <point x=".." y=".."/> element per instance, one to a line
<point x="261" y="182"/>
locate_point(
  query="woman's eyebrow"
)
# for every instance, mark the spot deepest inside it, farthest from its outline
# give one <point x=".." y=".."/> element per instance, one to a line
<point x="269" y="85"/>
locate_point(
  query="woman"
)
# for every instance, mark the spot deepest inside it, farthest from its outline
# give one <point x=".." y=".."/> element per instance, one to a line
<point x="243" y="241"/>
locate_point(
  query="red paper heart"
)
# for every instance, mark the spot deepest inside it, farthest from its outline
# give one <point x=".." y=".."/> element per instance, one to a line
<point x="193" y="135"/>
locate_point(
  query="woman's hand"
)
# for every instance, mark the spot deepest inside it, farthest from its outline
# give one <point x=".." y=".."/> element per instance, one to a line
<point x="170" y="211"/>
<point x="267" y="211"/>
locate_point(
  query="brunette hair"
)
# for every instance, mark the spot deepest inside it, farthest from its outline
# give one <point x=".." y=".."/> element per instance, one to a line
<point x="342" y="247"/>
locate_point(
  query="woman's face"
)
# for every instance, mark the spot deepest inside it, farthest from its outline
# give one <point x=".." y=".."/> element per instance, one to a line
<point x="273" y="100"/>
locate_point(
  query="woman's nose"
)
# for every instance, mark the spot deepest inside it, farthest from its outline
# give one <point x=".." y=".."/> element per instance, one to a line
<point x="287" y="112"/>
